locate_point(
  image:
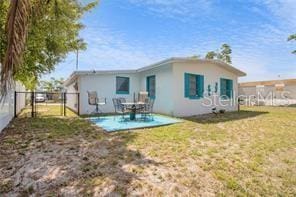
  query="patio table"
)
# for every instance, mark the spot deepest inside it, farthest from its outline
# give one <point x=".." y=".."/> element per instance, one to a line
<point x="134" y="107"/>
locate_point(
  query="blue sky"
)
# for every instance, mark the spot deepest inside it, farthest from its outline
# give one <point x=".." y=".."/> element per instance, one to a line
<point x="135" y="33"/>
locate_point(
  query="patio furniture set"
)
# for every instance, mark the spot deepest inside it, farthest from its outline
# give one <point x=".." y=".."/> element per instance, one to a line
<point x="142" y="106"/>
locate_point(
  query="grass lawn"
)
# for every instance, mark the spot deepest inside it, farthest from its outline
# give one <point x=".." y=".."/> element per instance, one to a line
<point x="47" y="110"/>
<point x="250" y="153"/>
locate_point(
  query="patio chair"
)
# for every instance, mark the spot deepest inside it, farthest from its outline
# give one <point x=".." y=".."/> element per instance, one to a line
<point x="147" y="110"/>
<point x="142" y="97"/>
<point x="118" y="107"/>
<point x="95" y="101"/>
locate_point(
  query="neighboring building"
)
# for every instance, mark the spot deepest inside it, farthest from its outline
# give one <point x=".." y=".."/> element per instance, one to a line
<point x="274" y="92"/>
<point x="7" y="105"/>
<point x="179" y="86"/>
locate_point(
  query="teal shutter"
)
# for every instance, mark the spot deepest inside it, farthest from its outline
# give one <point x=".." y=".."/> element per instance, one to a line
<point x="222" y="87"/>
<point x="200" y="87"/>
<point x="147" y="86"/>
<point x="230" y="88"/>
<point x="226" y="88"/>
<point x="151" y="86"/>
<point x="186" y="85"/>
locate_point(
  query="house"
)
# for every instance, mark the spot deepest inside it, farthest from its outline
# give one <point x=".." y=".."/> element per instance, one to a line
<point x="180" y="86"/>
<point x="273" y="92"/>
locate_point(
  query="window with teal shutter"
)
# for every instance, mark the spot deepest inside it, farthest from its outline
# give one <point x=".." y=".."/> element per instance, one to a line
<point x="200" y="82"/>
<point x="229" y="88"/>
<point x="122" y="85"/>
<point x="194" y="86"/>
<point x="186" y="83"/>
<point x="150" y="86"/>
<point x="226" y="88"/>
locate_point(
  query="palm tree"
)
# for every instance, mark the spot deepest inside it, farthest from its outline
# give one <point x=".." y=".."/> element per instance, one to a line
<point x="78" y="45"/>
<point x="20" y="14"/>
<point x="16" y="31"/>
<point x="292" y="37"/>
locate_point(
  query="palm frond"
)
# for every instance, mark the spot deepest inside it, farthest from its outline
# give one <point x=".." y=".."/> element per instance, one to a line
<point x="16" y="30"/>
<point x="292" y="37"/>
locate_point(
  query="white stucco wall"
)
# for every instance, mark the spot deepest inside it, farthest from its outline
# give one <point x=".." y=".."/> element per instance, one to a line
<point x="170" y="97"/>
<point x="292" y="91"/>
<point x="164" y="89"/>
<point x="105" y="85"/>
<point x="72" y="99"/>
<point x="212" y="74"/>
<point x="7" y="105"/>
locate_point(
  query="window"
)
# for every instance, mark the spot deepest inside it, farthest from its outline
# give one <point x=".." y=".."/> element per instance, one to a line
<point x="122" y="85"/>
<point x="226" y="88"/>
<point x="150" y="86"/>
<point x="194" y="86"/>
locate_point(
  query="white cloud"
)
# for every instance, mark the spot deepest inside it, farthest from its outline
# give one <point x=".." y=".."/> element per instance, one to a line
<point x="260" y="50"/>
<point x="284" y="9"/>
<point x="109" y="50"/>
<point x="182" y="10"/>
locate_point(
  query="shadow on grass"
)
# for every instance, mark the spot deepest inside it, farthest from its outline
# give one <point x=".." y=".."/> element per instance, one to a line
<point x="67" y="156"/>
<point x="228" y="116"/>
<point x="292" y="105"/>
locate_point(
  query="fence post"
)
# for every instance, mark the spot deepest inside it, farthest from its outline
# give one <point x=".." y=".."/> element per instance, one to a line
<point x="272" y="98"/>
<point x="78" y="103"/>
<point x="61" y="104"/>
<point x="65" y="104"/>
<point x="32" y="104"/>
<point x="15" y="103"/>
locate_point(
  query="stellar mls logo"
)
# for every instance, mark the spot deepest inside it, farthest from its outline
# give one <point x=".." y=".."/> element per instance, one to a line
<point x="271" y="98"/>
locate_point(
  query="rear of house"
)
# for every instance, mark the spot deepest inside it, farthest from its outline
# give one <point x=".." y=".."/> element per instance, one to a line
<point x="180" y="86"/>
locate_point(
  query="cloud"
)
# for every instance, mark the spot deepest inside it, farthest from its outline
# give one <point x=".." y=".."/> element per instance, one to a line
<point x="107" y="50"/>
<point x="260" y="47"/>
<point x="285" y="9"/>
<point x="182" y="10"/>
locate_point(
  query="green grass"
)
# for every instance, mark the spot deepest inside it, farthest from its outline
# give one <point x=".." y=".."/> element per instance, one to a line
<point x="47" y="110"/>
<point x="247" y="153"/>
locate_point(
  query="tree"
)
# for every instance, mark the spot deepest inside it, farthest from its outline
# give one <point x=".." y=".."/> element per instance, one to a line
<point x="52" y="85"/>
<point x="292" y="37"/>
<point x="196" y="57"/>
<point x="224" y="54"/>
<point x="211" y="55"/>
<point x="13" y="32"/>
<point x="78" y="45"/>
<point x="52" y="29"/>
<point x="3" y="18"/>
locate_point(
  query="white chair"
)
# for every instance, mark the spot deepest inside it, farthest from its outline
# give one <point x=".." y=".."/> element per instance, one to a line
<point x="142" y="97"/>
<point x="95" y="101"/>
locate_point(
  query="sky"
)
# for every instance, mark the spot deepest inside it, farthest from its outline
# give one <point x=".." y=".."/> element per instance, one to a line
<point x="129" y="34"/>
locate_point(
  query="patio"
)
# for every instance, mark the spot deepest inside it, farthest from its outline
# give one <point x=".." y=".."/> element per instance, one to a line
<point x="117" y="123"/>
